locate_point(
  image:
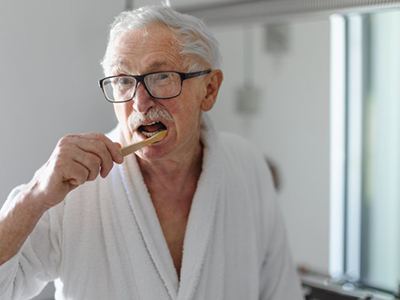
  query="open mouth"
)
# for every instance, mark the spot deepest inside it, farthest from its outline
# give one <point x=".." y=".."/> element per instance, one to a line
<point x="151" y="129"/>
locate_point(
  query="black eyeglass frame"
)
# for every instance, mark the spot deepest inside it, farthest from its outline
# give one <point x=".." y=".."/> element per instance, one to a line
<point x="140" y="78"/>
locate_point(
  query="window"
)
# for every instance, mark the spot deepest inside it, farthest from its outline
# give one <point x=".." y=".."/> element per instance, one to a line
<point x="371" y="149"/>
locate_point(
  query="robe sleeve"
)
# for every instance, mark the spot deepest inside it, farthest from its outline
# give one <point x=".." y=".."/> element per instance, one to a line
<point x="37" y="262"/>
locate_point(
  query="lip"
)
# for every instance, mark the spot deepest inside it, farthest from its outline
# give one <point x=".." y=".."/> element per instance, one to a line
<point x="160" y="143"/>
<point x="144" y="137"/>
<point x="148" y="122"/>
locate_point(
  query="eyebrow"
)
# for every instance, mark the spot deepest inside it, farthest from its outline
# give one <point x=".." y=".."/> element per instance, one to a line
<point x="120" y="67"/>
<point x="156" y="65"/>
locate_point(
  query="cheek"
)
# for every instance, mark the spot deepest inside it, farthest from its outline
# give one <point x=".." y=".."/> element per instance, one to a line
<point x="122" y="111"/>
<point x="190" y="103"/>
<point x="187" y="119"/>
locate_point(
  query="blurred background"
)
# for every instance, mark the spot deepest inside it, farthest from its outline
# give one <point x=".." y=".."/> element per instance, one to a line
<point x="314" y="84"/>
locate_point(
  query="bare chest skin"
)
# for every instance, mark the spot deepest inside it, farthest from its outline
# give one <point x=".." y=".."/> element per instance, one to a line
<point x="172" y="190"/>
<point x="172" y="208"/>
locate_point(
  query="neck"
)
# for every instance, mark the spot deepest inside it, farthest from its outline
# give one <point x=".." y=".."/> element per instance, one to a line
<point x="173" y="173"/>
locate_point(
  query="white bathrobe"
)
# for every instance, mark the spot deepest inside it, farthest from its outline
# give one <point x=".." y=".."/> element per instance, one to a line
<point x="105" y="241"/>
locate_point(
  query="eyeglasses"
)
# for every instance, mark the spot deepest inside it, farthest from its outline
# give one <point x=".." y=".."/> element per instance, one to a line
<point x="159" y="85"/>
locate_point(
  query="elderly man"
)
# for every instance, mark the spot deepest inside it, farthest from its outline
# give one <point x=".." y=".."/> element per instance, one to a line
<point x="190" y="217"/>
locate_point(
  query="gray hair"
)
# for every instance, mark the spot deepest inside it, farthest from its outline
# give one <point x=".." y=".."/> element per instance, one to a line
<point x="194" y="36"/>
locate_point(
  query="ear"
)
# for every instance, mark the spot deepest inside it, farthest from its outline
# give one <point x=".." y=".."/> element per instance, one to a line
<point x="213" y="84"/>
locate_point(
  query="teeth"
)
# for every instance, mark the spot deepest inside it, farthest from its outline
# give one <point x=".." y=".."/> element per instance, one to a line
<point x="149" y="134"/>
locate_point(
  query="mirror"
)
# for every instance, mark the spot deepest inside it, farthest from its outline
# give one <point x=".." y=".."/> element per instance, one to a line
<point x="276" y="93"/>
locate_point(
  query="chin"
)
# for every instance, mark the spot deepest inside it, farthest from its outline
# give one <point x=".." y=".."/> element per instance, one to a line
<point x="152" y="153"/>
<point x="157" y="151"/>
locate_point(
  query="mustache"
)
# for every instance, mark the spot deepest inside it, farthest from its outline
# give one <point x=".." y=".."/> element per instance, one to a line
<point x="153" y="114"/>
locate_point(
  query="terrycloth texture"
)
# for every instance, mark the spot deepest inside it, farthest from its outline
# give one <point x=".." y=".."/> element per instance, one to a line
<point x="105" y="241"/>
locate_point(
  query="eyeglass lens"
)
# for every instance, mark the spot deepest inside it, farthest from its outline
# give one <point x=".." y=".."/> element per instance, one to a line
<point x="159" y="85"/>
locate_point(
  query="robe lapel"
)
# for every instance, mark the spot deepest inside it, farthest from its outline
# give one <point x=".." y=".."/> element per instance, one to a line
<point x="149" y="226"/>
<point x="201" y="221"/>
<point x="200" y="224"/>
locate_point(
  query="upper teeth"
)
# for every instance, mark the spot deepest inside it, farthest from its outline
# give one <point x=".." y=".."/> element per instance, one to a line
<point x="151" y="123"/>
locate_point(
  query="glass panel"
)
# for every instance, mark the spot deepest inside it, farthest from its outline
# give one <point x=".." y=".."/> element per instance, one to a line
<point x="380" y="246"/>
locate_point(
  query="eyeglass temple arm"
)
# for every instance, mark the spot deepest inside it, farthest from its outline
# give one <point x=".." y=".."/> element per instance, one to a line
<point x="194" y="74"/>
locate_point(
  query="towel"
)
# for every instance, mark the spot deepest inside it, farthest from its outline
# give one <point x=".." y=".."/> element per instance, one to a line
<point x="105" y="241"/>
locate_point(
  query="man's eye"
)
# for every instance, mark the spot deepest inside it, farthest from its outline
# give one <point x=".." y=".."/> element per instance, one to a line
<point x="162" y="76"/>
<point x="123" y="81"/>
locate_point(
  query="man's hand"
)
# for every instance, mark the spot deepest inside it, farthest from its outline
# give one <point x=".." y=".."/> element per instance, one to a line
<point x="75" y="160"/>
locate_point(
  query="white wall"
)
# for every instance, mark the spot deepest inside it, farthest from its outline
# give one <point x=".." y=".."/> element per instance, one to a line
<point x="182" y="3"/>
<point x="49" y="58"/>
<point x="291" y="125"/>
<point x="49" y="67"/>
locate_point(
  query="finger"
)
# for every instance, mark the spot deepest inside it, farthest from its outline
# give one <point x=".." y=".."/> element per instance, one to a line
<point x="98" y="148"/>
<point x="112" y="147"/>
<point x="90" y="161"/>
<point x="76" y="174"/>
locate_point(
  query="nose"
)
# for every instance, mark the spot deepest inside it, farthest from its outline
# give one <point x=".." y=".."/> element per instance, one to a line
<point x="142" y="101"/>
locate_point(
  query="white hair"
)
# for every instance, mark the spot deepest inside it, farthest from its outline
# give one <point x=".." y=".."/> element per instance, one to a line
<point x="195" y="38"/>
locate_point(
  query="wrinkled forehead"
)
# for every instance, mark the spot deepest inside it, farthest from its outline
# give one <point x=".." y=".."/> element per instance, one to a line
<point x="151" y="47"/>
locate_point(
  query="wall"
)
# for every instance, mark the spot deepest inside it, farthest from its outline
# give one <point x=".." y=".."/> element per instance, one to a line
<point x="181" y="3"/>
<point x="291" y="124"/>
<point x="49" y="57"/>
